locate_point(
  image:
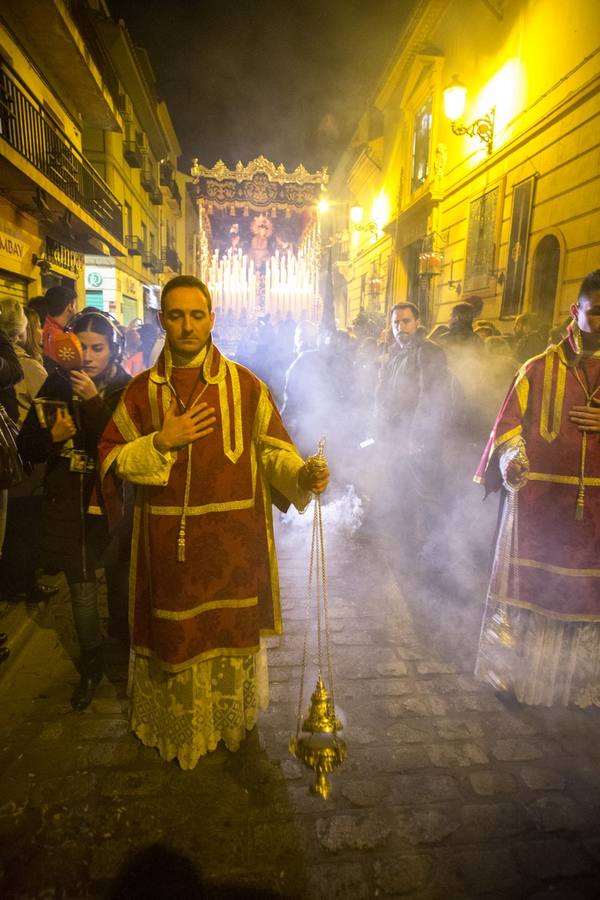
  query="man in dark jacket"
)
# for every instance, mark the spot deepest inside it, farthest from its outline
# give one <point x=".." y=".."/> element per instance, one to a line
<point x="412" y="404"/>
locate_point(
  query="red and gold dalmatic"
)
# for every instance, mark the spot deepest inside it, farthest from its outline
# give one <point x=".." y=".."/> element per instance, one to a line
<point x="204" y="578"/>
<point x="548" y="584"/>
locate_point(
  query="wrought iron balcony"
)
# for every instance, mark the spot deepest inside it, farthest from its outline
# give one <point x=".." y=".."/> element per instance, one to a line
<point x="135" y="245"/>
<point x="172" y="261"/>
<point x="167" y="179"/>
<point x="147" y="179"/>
<point x="156" y="196"/>
<point x="83" y="17"/>
<point x="133" y="153"/>
<point x="156" y="265"/>
<point x="27" y="129"/>
<point x="166" y="174"/>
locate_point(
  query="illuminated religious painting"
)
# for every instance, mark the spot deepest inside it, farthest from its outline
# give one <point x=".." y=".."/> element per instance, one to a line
<point x="259" y="239"/>
<point x="481" y="240"/>
<point x="512" y="297"/>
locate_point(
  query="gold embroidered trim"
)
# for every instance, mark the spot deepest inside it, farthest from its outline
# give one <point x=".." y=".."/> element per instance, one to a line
<point x="555" y="570"/>
<point x="109" y="459"/>
<point x="550" y="431"/>
<point x="522" y="389"/>
<point x="180" y="615"/>
<point x="153" y="400"/>
<point x="562" y="617"/>
<point x="563" y="479"/>
<point x="201" y="657"/>
<point x="201" y="510"/>
<point x="232" y="453"/>
<point x="95" y="511"/>
<point x="273" y="567"/>
<point x="135" y="550"/>
<point x="514" y="432"/>
<point x="277" y="443"/>
<point x="124" y="422"/>
<point x="206" y="369"/>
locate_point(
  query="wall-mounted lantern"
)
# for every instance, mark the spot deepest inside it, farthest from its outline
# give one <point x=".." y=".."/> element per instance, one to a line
<point x="455" y="96"/>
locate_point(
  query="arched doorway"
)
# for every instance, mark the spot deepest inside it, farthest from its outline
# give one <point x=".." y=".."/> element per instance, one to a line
<point x="544" y="282"/>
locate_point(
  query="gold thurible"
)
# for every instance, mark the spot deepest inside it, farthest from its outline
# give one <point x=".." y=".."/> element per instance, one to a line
<point x="319" y="746"/>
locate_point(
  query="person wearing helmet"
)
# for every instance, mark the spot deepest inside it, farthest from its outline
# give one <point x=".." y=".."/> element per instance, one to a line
<point x="62" y="429"/>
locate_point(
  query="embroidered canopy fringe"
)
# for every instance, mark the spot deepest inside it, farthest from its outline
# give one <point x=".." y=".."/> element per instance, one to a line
<point x="185" y="715"/>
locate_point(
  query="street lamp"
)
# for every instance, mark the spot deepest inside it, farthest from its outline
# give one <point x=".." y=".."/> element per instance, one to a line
<point x="455" y="96"/>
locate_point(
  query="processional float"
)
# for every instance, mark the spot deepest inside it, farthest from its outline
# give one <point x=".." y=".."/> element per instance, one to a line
<point x="258" y="239"/>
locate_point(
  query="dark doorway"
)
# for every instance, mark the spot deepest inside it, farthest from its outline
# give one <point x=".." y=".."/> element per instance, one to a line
<point x="418" y="285"/>
<point x="546" y="262"/>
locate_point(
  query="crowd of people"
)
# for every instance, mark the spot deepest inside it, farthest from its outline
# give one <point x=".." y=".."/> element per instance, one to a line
<point x="110" y="464"/>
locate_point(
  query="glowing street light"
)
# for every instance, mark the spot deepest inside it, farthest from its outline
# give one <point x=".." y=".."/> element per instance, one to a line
<point x="455" y="96"/>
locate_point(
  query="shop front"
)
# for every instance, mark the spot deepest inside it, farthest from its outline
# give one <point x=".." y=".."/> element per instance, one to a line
<point x="17" y="269"/>
<point x="109" y="288"/>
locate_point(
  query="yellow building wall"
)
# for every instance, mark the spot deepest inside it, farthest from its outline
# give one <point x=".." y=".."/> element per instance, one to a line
<point x="540" y="69"/>
<point x="104" y="149"/>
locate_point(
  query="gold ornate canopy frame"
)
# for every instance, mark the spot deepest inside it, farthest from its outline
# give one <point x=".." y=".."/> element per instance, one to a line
<point x="258" y="240"/>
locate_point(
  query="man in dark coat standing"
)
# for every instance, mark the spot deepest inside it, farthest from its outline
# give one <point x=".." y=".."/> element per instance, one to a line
<point x="412" y="404"/>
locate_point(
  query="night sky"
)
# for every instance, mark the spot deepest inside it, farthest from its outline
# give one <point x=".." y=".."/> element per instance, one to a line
<point x="288" y="79"/>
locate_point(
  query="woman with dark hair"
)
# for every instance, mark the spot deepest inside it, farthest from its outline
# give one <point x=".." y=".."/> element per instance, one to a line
<point x="63" y="430"/>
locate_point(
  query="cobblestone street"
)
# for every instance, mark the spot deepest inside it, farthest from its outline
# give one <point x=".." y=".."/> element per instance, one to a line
<point x="447" y="792"/>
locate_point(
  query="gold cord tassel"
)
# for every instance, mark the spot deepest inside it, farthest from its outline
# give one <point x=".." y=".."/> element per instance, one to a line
<point x="186" y="500"/>
<point x="580" y="502"/>
<point x="181" y="541"/>
<point x="581" y="492"/>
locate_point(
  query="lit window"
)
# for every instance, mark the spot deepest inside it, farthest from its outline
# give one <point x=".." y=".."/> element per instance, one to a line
<point x="421" y="139"/>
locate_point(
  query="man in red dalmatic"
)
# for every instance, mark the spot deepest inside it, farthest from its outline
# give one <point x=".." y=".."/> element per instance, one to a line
<point x="201" y="439"/>
<point x="541" y="632"/>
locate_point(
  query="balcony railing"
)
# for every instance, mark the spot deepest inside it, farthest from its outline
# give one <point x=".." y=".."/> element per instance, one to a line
<point x="24" y="125"/>
<point x="172" y="261"/>
<point x="135" y="245"/>
<point x="82" y="15"/>
<point x="167" y="179"/>
<point x="166" y="174"/>
<point x="133" y="153"/>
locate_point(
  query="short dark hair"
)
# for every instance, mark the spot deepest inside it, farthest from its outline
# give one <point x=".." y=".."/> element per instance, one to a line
<point x="589" y="284"/>
<point x="185" y="281"/>
<point x="58" y="298"/>
<point x="40" y="306"/>
<point x="476" y="302"/>
<point x="463" y="312"/>
<point x="412" y="306"/>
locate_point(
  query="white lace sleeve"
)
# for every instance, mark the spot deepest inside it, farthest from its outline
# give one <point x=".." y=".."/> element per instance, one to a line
<point x="140" y="462"/>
